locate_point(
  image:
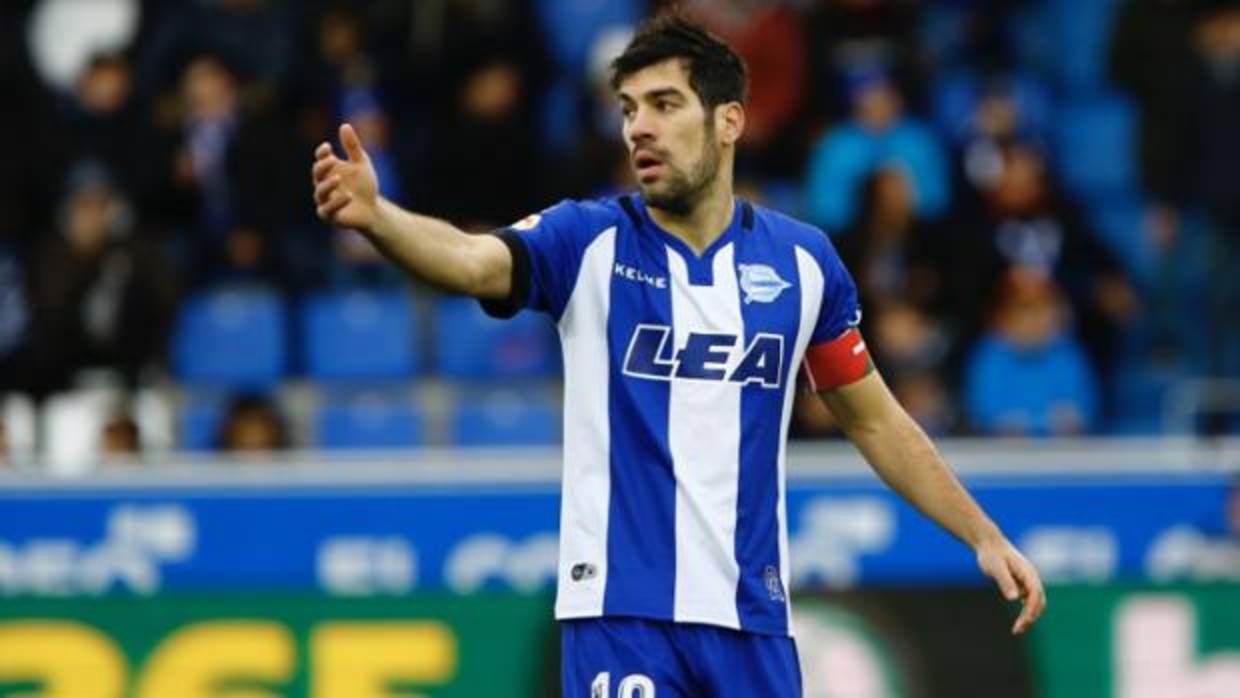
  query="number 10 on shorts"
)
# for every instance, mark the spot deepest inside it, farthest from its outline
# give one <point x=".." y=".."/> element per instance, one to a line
<point x="631" y="686"/>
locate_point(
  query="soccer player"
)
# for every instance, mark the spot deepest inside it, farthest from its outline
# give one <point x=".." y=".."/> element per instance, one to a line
<point x="685" y="315"/>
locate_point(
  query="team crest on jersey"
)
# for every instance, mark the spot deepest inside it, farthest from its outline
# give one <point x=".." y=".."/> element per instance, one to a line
<point x="528" y="223"/>
<point x="761" y="283"/>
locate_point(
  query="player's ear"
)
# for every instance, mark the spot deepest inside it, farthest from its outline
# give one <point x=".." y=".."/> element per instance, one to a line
<point x="730" y="122"/>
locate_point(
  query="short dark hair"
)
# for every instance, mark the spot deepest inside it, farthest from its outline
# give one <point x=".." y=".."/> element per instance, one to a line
<point x="716" y="73"/>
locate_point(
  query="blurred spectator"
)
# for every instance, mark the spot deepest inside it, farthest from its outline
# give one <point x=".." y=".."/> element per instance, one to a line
<point x="252" y="424"/>
<point x="907" y="340"/>
<point x="485" y="125"/>
<point x="879" y="134"/>
<point x="981" y="113"/>
<point x="1028" y="375"/>
<point x="452" y="38"/>
<point x="120" y="439"/>
<point x="338" y="59"/>
<point x="4" y="446"/>
<point x="893" y="256"/>
<point x="1212" y="157"/>
<point x="769" y="38"/>
<point x="925" y="397"/>
<point x="104" y="121"/>
<point x="1022" y="223"/>
<point x="246" y="255"/>
<point x="231" y="164"/>
<point x="66" y="34"/>
<point x="851" y="36"/>
<point x="253" y="35"/>
<point x="900" y="266"/>
<point x="1150" y="54"/>
<point x="102" y="297"/>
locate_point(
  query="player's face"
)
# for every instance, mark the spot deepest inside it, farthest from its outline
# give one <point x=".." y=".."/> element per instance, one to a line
<point x="672" y="142"/>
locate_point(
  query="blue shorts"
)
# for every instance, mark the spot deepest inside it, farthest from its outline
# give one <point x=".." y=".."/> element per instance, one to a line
<point x="638" y="658"/>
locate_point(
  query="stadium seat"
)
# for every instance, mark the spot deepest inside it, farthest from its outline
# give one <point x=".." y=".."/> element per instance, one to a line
<point x="1095" y="147"/>
<point x="232" y="336"/>
<point x="571" y="28"/>
<point x="957" y="94"/>
<point x="504" y="418"/>
<point x="471" y="346"/>
<point x="1067" y="40"/>
<point x="1083" y="32"/>
<point x="1120" y="223"/>
<point x="200" y="421"/>
<point x="360" y="335"/>
<point x="371" y="419"/>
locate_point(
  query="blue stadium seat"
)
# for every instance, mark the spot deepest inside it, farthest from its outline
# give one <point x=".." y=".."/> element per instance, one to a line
<point x="571" y="28"/>
<point x="504" y="418"/>
<point x="1095" y="147"/>
<point x="199" y="422"/>
<point x="371" y="419"/>
<point x="360" y="335"/>
<point x="472" y="346"/>
<point x="1067" y="40"/>
<point x="956" y="96"/>
<point x="1120" y="223"/>
<point x="233" y="336"/>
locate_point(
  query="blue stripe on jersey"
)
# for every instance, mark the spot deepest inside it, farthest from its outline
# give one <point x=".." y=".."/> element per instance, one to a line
<point x="761" y="595"/>
<point x="641" y="535"/>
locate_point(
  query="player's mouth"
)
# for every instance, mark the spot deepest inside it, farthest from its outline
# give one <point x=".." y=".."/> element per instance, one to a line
<point x="647" y="165"/>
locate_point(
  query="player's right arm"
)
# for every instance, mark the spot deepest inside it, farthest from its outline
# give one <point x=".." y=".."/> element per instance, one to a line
<point x="346" y="195"/>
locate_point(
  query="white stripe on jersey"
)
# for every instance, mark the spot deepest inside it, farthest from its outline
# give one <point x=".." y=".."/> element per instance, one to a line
<point x="587" y="448"/>
<point x="704" y="437"/>
<point x="812" y="286"/>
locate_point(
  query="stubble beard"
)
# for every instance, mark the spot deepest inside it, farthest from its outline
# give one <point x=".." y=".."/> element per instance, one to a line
<point x="683" y="191"/>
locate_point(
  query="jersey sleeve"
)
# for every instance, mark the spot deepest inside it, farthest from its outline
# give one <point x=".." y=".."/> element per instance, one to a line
<point x="546" y="250"/>
<point x="837" y="354"/>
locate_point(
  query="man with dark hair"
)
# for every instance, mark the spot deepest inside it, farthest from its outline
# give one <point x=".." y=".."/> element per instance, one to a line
<point x="684" y="314"/>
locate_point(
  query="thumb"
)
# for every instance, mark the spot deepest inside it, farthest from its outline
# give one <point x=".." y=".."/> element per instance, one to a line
<point x="352" y="144"/>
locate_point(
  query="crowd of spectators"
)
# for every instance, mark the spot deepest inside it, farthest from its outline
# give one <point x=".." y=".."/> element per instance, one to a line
<point x="1017" y="276"/>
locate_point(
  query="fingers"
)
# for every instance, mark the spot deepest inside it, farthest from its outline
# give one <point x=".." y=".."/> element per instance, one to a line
<point x="1005" y="580"/>
<point x="1035" y="597"/>
<point x="352" y="144"/>
<point x="322" y="167"/>
<point x="324" y="189"/>
<point x="333" y="205"/>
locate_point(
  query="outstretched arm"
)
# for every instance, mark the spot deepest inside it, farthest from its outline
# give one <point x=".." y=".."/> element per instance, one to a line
<point x="346" y="194"/>
<point x="903" y="456"/>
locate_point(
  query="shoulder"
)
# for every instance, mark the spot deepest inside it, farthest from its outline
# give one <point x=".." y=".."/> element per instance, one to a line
<point x="567" y="225"/>
<point x="577" y="216"/>
<point x="795" y="232"/>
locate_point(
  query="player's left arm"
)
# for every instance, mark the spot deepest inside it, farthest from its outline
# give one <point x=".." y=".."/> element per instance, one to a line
<point x="904" y="457"/>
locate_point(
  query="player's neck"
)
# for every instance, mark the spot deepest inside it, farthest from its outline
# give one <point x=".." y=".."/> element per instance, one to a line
<point x="705" y="222"/>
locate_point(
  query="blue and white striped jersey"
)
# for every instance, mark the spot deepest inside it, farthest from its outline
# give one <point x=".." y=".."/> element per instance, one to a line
<point x="680" y="372"/>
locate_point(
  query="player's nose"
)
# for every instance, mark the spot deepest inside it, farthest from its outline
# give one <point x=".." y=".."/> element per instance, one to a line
<point x="641" y="127"/>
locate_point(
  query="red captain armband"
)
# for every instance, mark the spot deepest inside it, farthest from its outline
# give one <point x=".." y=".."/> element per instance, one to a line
<point x="837" y="362"/>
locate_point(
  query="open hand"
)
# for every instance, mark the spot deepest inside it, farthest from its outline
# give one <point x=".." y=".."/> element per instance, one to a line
<point x="346" y="192"/>
<point x="1017" y="579"/>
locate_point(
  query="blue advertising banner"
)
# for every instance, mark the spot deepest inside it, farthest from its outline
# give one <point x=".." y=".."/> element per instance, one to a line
<point x="395" y="538"/>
